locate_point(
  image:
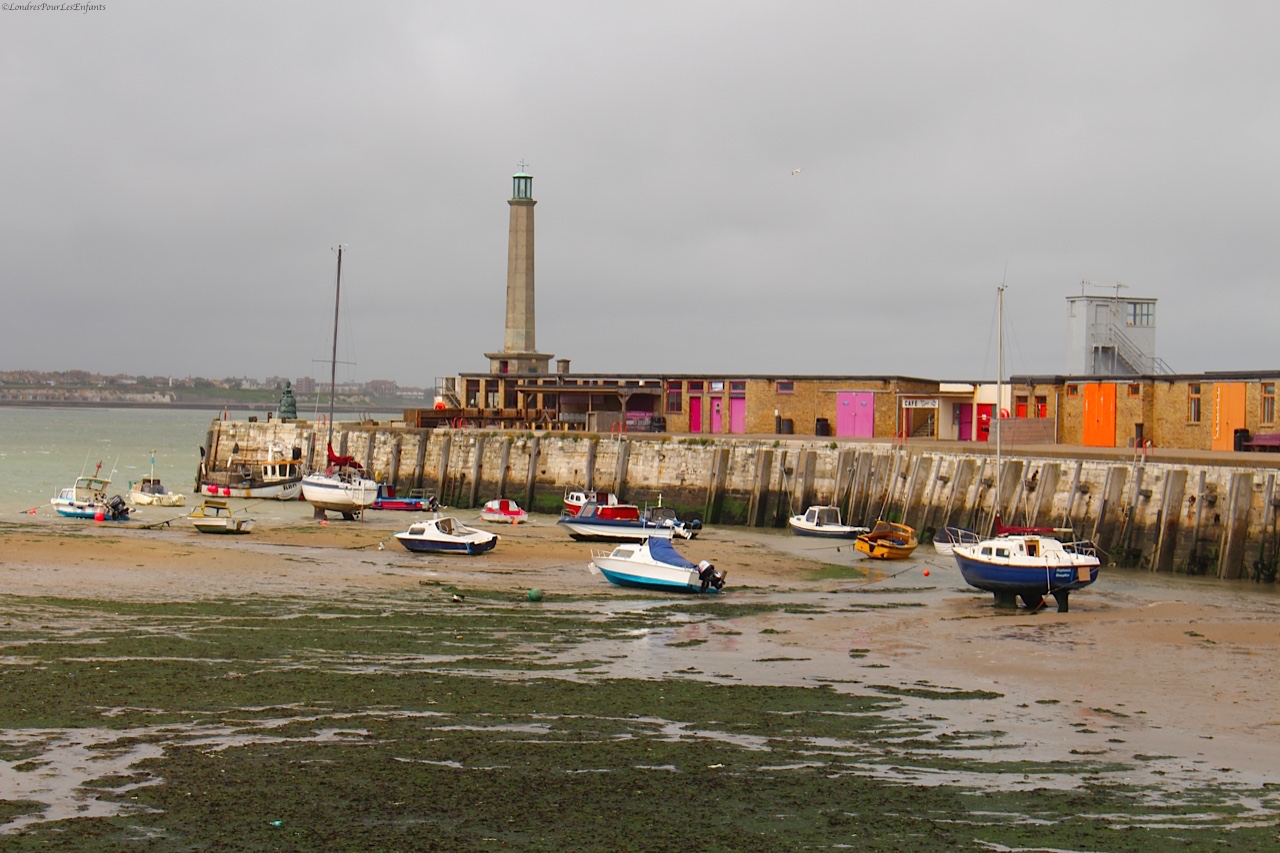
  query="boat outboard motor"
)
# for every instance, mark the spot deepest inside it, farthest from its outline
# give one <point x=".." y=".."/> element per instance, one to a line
<point x="710" y="576"/>
<point x="117" y="508"/>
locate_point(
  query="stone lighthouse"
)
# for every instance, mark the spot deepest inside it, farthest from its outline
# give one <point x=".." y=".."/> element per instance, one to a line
<point x="519" y="351"/>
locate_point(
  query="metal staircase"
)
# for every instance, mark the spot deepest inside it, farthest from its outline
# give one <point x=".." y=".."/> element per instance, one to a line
<point x="1133" y="356"/>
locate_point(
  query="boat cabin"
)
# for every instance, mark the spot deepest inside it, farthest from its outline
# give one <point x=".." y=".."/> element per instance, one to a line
<point x="822" y="515"/>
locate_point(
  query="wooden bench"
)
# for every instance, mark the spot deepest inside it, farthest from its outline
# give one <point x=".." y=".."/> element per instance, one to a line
<point x="1265" y="442"/>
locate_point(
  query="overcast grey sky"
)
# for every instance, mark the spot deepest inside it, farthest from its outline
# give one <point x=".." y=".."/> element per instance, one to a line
<point x="174" y="176"/>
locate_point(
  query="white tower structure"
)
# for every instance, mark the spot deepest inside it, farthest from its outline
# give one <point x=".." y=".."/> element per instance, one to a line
<point x="1112" y="335"/>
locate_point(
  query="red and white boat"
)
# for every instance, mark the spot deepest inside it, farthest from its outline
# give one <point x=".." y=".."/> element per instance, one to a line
<point x="574" y="501"/>
<point x="503" y="511"/>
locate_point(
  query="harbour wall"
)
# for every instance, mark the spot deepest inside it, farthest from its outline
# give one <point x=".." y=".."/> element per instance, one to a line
<point x="1191" y="514"/>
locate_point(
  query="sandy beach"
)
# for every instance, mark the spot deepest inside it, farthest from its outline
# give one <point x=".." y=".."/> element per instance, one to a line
<point x="1178" y="667"/>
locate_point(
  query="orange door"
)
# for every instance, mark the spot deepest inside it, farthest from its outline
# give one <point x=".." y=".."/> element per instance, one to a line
<point x="1228" y="414"/>
<point x="1099" y="419"/>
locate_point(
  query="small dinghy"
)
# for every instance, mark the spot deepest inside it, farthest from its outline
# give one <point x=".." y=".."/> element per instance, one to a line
<point x="503" y="511"/>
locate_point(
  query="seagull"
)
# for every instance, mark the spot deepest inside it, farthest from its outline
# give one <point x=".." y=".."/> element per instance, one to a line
<point x="795" y="171"/>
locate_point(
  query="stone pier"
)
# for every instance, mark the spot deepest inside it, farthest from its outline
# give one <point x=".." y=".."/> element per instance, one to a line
<point x="1203" y="513"/>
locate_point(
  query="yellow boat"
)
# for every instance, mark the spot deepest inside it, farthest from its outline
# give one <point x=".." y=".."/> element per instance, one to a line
<point x="887" y="541"/>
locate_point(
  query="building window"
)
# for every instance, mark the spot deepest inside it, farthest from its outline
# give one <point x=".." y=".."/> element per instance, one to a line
<point x="1135" y="390"/>
<point x="695" y="386"/>
<point x="1141" y="314"/>
<point x="716" y="386"/>
<point x="1073" y="390"/>
<point x="785" y="386"/>
<point x="1193" y="403"/>
<point x="675" y="398"/>
<point x="1268" y="402"/>
<point x="737" y="389"/>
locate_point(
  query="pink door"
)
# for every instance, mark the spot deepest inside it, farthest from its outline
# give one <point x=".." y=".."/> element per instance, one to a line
<point x="716" y="424"/>
<point x="964" y="421"/>
<point x="695" y="414"/>
<point x="855" y="414"/>
<point x="738" y="414"/>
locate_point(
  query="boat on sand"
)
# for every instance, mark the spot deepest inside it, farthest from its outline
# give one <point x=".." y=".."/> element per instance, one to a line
<point x="342" y="486"/>
<point x="446" y="535"/>
<point x="503" y="511"/>
<point x="1028" y="567"/>
<point x="824" y="521"/>
<point x="655" y="564"/>
<point x="214" y="516"/>
<point x="88" y="499"/>
<point x="887" y="541"/>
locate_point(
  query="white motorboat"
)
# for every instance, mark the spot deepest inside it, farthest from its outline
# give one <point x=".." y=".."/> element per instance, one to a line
<point x="88" y="499"/>
<point x="626" y="522"/>
<point x="149" y="491"/>
<point x="446" y="535"/>
<point x="655" y="564"/>
<point x="214" y="516"/>
<point x="824" y="521"/>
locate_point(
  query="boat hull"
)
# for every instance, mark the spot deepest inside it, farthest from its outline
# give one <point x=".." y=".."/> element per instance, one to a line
<point x="1029" y="580"/>
<point x="1028" y="567"/>
<point x="398" y="504"/>
<point x="503" y="511"/>
<point x="505" y="517"/>
<point x="827" y="531"/>
<point x="655" y="564"/>
<point x="336" y="495"/>
<point x="887" y="541"/>
<point x="284" y="490"/>
<point x="438" y="546"/>
<point x="445" y="535"/>
<point x="79" y="509"/>
<point x="651" y="577"/>
<point x="234" y="528"/>
<point x="617" y="530"/>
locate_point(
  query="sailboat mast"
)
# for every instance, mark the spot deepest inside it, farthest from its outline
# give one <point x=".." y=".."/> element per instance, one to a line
<point x="333" y="362"/>
<point x="999" y="389"/>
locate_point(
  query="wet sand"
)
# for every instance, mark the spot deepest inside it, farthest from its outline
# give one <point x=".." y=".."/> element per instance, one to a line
<point x="1141" y="665"/>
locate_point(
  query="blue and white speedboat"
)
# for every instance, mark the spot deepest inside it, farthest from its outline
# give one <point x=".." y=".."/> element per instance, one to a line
<point x="655" y="564"/>
<point x="1028" y="567"/>
<point x="88" y="499"/>
<point x="446" y="535"/>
